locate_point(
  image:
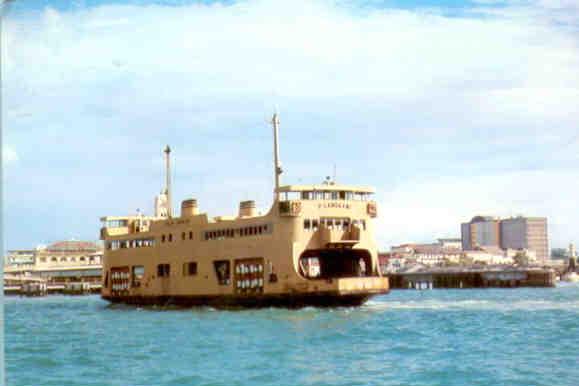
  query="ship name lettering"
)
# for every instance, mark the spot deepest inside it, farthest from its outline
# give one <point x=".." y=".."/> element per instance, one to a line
<point x="342" y="205"/>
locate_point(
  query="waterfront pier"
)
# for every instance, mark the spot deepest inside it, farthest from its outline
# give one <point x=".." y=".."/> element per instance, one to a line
<point x="461" y="277"/>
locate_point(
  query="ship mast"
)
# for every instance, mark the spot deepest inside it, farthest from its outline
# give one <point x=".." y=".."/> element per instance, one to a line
<point x="277" y="166"/>
<point x="167" y="152"/>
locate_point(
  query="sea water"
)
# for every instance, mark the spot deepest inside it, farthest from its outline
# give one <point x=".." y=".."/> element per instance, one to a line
<point x="437" y="337"/>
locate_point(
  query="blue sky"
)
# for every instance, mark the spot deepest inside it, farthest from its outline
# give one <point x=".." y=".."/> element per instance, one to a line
<point x="450" y="109"/>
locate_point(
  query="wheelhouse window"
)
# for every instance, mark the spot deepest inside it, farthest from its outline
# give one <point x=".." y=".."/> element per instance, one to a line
<point x="190" y="268"/>
<point x="116" y="223"/>
<point x="287" y="196"/>
<point x="163" y="270"/>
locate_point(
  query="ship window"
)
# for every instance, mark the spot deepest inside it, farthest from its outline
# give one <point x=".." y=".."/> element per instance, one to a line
<point x="315" y="224"/>
<point x="291" y="196"/>
<point x="183" y="236"/>
<point x="334" y="195"/>
<point x="190" y="235"/>
<point x="117" y="223"/>
<point x="73" y="259"/>
<point x="342" y="195"/>
<point x="53" y="259"/>
<point x="307" y="224"/>
<point x="363" y="224"/>
<point x="162" y="238"/>
<point x="163" y="270"/>
<point x="318" y="195"/>
<point x="190" y="268"/>
<point x="82" y="258"/>
<point x="63" y="258"/>
<point x="222" y="271"/>
<point x="349" y="196"/>
<point x="138" y="274"/>
<point x="170" y="237"/>
<point x="327" y="195"/>
<point x="43" y="259"/>
<point x="307" y="195"/>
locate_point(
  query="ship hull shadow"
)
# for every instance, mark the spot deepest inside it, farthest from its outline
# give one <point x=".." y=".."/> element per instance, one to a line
<point x="240" y="302"/>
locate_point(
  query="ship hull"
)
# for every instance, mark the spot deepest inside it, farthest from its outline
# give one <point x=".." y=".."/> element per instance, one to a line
<point x="323" y="299"/>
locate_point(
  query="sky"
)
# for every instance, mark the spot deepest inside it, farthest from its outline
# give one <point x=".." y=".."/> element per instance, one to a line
<point x="450" y="109"/>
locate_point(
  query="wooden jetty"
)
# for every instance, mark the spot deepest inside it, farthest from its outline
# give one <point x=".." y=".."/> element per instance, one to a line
<point x="473" y="277"/>
<point x="39" y="286"/>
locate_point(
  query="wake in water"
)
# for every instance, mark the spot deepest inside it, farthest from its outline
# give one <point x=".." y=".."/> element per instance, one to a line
<point x="566" y="298"/>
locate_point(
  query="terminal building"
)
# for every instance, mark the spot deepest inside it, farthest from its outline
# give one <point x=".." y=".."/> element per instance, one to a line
<point x="515" y="233"/>
<point x="60" y="262"/>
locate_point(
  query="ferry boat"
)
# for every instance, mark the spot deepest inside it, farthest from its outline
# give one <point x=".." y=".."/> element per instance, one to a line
<point x="314" y="247"/>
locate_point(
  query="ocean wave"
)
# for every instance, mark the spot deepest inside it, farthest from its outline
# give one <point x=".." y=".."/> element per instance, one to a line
<point x="491" y="305"/>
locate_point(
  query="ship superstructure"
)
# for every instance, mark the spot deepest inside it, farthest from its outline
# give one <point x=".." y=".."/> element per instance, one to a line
<point x="315" y="246"/>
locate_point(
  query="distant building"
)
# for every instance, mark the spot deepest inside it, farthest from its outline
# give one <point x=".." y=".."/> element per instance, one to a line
<point x="516" y="233"/>
<point x="392" y="262"/>
<point x="19" y="258"/>
<point x="62" y="261"/>
<point x="450" y="243"/>
<point x="443" y="252"/>
<point x="526" y="233"/>
<point x="481" y="231"/>
<point x="488" y="257"/>
<point x="69" y="253"/>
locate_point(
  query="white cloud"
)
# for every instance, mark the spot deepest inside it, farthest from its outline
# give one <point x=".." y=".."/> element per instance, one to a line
<point x="421" y="211"/>
<point x="473" y="91"/>
<point x="9" y="155"/>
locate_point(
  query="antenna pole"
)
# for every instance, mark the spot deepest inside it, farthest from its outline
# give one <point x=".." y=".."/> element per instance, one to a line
<point x="277" y="166"/>
<point x="167" y="152"/>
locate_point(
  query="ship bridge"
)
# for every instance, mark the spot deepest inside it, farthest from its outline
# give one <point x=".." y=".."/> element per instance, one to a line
<point x="325" y="192"/>
<point x="331" y="199"/>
